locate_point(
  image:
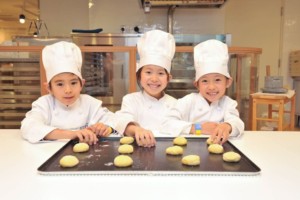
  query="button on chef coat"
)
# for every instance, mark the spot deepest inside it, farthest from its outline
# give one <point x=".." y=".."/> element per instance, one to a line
<point x="146" y="110"/>
<point x="48" y="113"/>
<point x="193" y="108"/>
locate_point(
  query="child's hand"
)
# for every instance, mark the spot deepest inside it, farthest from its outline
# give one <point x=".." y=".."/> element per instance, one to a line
<point x="221" y="133"/>
<point x="86" y="135"/>
<point x="101" y="129"/>
<point x="209" y="127"/>
<point x="144" y="137"/>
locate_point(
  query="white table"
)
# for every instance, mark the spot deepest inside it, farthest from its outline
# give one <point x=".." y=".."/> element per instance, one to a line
<point x="276" y="153"/>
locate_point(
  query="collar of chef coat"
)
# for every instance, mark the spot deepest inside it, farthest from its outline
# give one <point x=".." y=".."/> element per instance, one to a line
<point x="58" y="105"/>
<point x="151" y="98"/>
<point x="216" y="104"/>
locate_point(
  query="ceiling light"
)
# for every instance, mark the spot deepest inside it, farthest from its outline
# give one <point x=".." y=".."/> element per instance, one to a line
<point x="22" y="18"/>
<point x="91" y="3"/>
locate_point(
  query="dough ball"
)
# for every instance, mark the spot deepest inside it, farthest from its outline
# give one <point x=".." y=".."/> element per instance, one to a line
<point x="123" y="161"/>
<point x="231" y="156"/>
<point x="191" y="160"/>
<point x="181" y="141"/>
<point x="125" y="148"/>
<point x="215" y="148"/>
<point x="81" y="147"/>
<point x="174" y="150"/>
<point x="110" y="130"/>
<point x="126" y="140"/>
<point x="209" y="141"/>
<point x="68" y="161"/>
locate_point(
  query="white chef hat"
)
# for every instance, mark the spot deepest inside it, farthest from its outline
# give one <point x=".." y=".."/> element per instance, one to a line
<point x="156" y="47"/>
<point x="211" y="56"/>
<point x="62" y="57"/>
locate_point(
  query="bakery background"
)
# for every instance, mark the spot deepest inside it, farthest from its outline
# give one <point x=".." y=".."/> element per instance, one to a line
<point x="234" y="17"/>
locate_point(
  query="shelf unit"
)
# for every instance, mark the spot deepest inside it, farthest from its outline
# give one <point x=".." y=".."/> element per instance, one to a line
<point x="19" y="83"/>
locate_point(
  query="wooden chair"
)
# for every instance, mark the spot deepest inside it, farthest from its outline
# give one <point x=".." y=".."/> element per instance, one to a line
<point x="271" y="100"/>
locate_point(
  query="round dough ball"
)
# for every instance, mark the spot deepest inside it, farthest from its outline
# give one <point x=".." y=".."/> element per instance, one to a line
<point x="81" y="147"/>
<point x="191" y="160"/>
<point x="209" y="141"/>
<point x="110" y="130"/>
<point x="68" y="161"/>
<point x="181" y="141"/>
<point x="125" y="148"/>
<point x="215" y="148"/>
<point x="123" y="161"/>
<point x="231" y="156"/>
<point x="174" y="150"/>
<point x="126" y="140"/>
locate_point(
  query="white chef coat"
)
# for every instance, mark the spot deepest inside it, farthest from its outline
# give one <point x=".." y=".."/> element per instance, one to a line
<point x="145" y="110"/>
<point x="193" y="108"/>
<point x="48" y="113"/>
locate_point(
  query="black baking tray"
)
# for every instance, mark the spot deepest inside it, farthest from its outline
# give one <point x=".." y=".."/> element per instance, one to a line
<point x="148" y="161"/>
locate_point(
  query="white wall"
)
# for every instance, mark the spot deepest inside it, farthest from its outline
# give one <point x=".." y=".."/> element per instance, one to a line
<point x="110" y="16"/>
<point x="291" y="31"/>
<point x="61" y="16"/>
<point x="256" y="23"/>
<point x="291" y="41"/>
<point x="252" y="23"/>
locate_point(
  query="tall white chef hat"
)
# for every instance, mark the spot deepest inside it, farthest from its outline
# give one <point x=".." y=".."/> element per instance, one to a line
<point x="156" y="47"/>
<point x="62" y="57"/>
<point x="211" y="56"/>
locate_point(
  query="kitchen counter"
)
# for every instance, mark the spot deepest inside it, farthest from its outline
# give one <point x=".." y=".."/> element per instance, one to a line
<point x="276" y="153"/>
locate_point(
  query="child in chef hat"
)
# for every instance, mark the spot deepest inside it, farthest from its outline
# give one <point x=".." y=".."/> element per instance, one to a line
<point x="147" y="107"/>
<point x="209" y="111"/>
<point x="64" y="113"/>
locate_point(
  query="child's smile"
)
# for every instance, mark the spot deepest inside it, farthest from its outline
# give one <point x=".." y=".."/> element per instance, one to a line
<point x="154" y="80"/>
<point x="213" y="86"/>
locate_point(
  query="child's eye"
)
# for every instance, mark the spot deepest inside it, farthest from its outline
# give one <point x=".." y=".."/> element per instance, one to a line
<point x="59" y="84"/>
<point x="203" y="81"/>
<point x="147" y="72"/>
<point x="162" y="73"/>
<point x="74" y="82"/>
<point x="218" y="80"/>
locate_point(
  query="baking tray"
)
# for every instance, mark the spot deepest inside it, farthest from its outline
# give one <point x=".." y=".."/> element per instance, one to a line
<point x="148" y="161"/>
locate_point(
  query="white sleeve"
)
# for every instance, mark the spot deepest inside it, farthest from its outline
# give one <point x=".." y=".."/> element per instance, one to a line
<point x="34" y="126"/>
<point x="100" y="114"/>
<point x="129" y="108"/>
<point x="176" y="121"/>
<point x="232" y="117"/>
<point x="127" y="114"/>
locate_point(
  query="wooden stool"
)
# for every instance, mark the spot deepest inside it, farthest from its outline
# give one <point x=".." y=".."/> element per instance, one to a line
<point x="270" y="100"/>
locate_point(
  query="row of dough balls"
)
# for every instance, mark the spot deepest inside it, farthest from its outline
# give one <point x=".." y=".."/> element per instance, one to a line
<point x="127" y="148"/>
<point x="124" y="148"/>
<point x="70" y="160"/>
<point x="120" y="161"/>
<point x="191" y="160"/>
<point x="126" y="161"/>
<point x="229" y="156"/>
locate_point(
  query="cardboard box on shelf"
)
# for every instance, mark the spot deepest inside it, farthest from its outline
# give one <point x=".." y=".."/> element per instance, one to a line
<point x="294" y="63"/>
